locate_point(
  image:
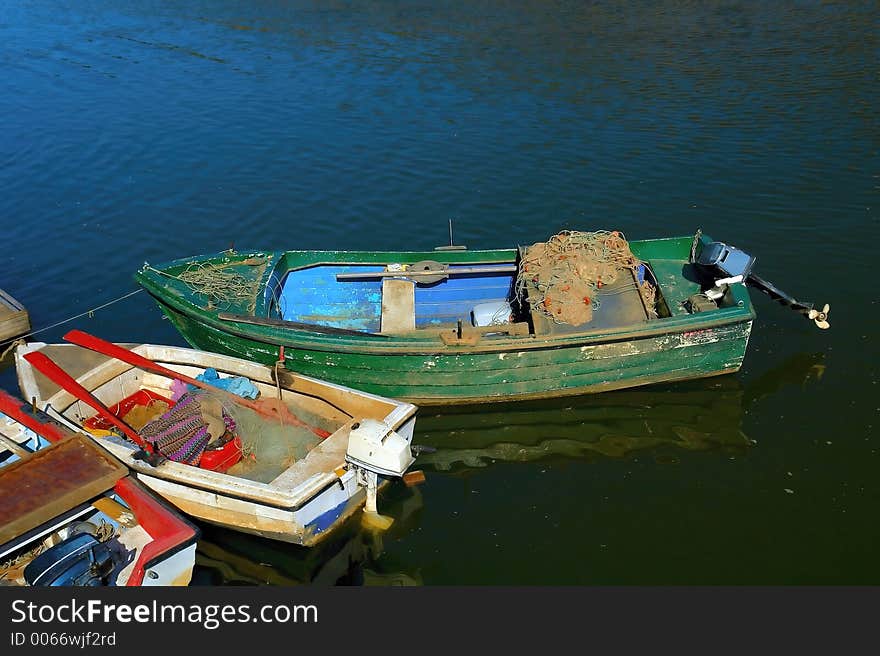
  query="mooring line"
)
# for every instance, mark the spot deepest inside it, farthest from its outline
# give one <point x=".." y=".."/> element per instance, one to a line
<point x="12" y="342"/>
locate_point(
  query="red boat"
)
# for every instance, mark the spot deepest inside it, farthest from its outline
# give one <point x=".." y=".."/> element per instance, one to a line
<point x="72" y="515"/>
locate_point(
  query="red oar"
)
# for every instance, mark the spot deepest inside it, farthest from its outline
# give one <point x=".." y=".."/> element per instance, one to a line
<point x="56" y="374"/>
<point x="276" y="411"/>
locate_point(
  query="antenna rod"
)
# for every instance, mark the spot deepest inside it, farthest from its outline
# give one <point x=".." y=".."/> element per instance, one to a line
<point x="450" y="233"/>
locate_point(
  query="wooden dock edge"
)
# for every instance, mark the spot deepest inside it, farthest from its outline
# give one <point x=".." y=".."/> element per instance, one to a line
<point x="14" y="319"/>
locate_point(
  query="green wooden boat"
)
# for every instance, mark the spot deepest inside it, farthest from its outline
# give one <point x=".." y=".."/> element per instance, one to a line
<point x="453" y="326"/>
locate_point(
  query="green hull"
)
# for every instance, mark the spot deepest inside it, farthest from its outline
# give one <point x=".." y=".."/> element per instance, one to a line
<point x="421" y="368"/>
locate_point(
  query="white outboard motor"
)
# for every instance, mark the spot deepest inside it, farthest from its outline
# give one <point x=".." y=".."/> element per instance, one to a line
<point x="374" y="449"/>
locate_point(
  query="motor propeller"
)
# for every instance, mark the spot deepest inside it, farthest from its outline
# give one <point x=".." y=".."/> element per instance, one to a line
<point x="820" y="317"/>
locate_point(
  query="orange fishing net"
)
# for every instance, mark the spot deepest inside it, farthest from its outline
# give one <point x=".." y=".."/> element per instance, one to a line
<point x="563" y="276"/>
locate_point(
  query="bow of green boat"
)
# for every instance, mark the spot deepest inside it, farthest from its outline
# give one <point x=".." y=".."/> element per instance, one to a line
<point x="453" y="325"/>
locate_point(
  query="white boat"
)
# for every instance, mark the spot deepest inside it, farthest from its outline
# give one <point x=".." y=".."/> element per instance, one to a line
<point x="72" y="516"/>
<point x="289" y="485"/>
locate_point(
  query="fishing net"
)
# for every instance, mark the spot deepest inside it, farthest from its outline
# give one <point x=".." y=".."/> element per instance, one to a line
<point x="140" y="415"/>
<point x="12" y="570"/>
<point x="270" y="446"/>
<point x="563" y="277"/>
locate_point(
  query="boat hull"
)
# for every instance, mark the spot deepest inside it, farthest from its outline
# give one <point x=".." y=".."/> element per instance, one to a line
<point x="305" y="527"/>
<point x="536" y="372"/>
<point x="333" y="328"/>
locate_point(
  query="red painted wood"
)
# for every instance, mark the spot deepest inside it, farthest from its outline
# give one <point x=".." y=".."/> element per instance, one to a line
<point x="167" y="529"/>
<point x="21" y="412"/>
<point x="56" y="374"/>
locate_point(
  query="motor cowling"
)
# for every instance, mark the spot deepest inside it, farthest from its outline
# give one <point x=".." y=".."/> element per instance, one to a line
<point x="374" y="446"/>
<point x="725" y="261"/>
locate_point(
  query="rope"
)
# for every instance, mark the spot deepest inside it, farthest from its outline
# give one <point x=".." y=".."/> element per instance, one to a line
<point x="220" y="287"/>
<point x="13" y="342"/>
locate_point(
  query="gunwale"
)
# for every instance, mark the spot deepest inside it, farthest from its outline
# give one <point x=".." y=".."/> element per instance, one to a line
<point x="423" y="341"/>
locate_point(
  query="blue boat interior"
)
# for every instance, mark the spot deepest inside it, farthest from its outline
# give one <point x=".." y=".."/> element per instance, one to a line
<point x="375" y="302"/>
<point x="314" y="295"/>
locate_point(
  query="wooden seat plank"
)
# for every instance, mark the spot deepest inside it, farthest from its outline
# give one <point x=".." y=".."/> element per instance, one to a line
<point x="398" y="306"/>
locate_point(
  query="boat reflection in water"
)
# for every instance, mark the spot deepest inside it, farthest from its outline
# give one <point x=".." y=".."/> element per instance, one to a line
<point x="689" y="416"/>
<point x="355" y="556"/>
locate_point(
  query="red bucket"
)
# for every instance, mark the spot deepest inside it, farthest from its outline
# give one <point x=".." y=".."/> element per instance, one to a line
<point x="219" y="460"/>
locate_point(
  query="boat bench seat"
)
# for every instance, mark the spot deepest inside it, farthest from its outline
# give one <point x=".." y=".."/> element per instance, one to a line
<point x="398" y="306"/>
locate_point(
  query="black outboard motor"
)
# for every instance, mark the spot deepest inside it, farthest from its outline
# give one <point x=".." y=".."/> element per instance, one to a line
<point x="79" y="560"/>
<point x="728" y="264"/>
<point x="729" y="261"/>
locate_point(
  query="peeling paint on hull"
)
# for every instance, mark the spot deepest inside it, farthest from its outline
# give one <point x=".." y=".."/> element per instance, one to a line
<point x="486" y="377"/>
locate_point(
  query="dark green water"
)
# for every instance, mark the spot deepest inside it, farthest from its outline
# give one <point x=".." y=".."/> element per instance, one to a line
<point x="145" y="133"/>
